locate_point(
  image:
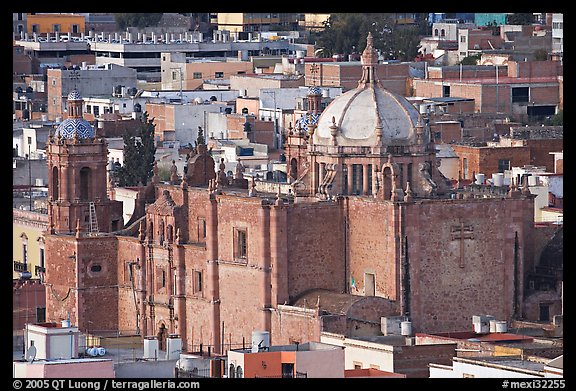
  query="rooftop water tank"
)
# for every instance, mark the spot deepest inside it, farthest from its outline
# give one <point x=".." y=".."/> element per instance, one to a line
<point x="260" y="341"/>
<point x="406" y="328"/>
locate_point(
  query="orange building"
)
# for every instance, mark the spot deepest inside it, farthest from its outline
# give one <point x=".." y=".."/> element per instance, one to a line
<point x="310" y="360"/>
<point x="55" y="23"/>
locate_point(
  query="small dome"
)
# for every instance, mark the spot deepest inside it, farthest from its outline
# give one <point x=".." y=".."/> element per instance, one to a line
<point x="306" y="120"/>
<point x="74" y="95"/>
<point x="314" y="90"/>
<point x="72" y="126"/>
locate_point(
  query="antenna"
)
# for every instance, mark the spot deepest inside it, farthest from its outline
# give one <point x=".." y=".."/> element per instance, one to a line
<point x="31" y="353"/>
<point x="74" y="75"/>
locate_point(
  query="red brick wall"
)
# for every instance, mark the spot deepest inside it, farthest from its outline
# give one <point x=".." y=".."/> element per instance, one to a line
<point x="444" y="294"/>
<point x="289" y="327"/>
<point x="315" y="248"/>
<point x="540" y="152"/>
<point x="413" y="360"/>
<point x="372" y="245"/>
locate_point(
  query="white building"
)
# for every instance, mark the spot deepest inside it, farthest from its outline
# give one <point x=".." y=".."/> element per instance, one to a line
<point x="497" y="367"/>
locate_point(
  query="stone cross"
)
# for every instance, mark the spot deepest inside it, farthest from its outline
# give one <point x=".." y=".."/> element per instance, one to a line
<point x="462" y="232"/>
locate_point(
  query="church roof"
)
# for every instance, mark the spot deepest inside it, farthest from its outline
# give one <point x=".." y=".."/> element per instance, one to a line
<point x="75" y="126"/>
<point x="359" y="112"/>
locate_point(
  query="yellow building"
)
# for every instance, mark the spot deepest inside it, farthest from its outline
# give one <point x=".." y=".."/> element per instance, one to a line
<point x="28" y="243"/>
<point x="314" y="22"/>
<point x="55" y="23"/>
<point x="250" y="21"/>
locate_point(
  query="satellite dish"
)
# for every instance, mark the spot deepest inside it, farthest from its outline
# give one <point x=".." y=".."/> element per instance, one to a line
<point x="31" y="353"/>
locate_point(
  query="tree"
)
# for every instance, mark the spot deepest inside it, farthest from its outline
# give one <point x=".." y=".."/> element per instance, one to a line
<point x="345" y="33"/>
<point x="525" y="18"/>
<point x="470" y="60"/>
<point x="139" y="20"/>
<point x="540" y="55"/>
<point x="139" y="155"/>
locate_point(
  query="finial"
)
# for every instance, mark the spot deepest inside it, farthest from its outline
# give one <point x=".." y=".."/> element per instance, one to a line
<point x="78" y="228"/>
<point x="408" y="193"/>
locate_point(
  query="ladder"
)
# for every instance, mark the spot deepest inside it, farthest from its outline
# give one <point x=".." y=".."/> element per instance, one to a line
<point x="93" y="220"/>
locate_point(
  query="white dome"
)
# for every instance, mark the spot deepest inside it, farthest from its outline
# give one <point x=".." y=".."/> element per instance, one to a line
<point x="356" y="112"/>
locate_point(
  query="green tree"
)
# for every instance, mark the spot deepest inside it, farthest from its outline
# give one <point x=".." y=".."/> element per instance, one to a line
<point x="525" y="18"/>
<point x="345" y="33"/>
<point x="558" y="118"/>
<point x="139" y="20"/>
<point x="470" y="60"/>
<point x="139" y="155"/>
<point x="540" y="55"/>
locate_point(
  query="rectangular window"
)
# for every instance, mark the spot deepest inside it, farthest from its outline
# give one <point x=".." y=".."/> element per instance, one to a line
<point x="175" y="75"/>
<point x="445" y="91"/>
<point x="42" y="258"/>
<point x="25" y="253"/>
<point x="463" y="38"/>
<point x="369" y="284"/>
<point x="56" y="28"/>
<point x="219" y="75"/>
<point x="197" y="281"/>
<point x="197" y="75"/>
<point x="35" y="28"/>
<point x="75" y="29"/>
<point x="96" y="111"/>
<point x="201" y="230"/>
<point x="520" y="94"/>
<point x="240" y="244"/>
<point x="503" y="165"/>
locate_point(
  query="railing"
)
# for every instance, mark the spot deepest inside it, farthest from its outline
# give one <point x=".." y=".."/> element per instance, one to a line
<point x="20" y="267"/>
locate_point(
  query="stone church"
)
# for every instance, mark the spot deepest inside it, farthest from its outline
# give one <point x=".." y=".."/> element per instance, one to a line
<point x="369" y="229"/>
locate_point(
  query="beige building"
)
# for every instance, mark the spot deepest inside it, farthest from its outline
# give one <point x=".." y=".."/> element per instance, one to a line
<point x="252" y="21"/>
<point x="28" y="242"/>
<point x="179" y="73"/>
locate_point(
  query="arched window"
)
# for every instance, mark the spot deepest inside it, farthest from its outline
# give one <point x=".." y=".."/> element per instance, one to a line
<point x="387" y="183"/>
<point x="232" y="371"/>
<point x="294" y="168"/>
<point x="54" y="190"/>
<point x="239" y="373"/>
<point x="85" y="174"/>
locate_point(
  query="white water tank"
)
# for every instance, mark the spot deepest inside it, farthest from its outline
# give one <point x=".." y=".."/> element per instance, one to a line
<point x="65" y="323"/>
<point x="93" y="351"/>
<point x="173" y="347"/>
<point x="479" y="179"/>
<point x="151" y="347"/>
<point x="101" y="351"/>
<point x="260" y="341"/>
<point x="492" y="325"/>
<point x="501" y="326"/>
<point x="498" y="179"/>
<point x="406" y="328"/>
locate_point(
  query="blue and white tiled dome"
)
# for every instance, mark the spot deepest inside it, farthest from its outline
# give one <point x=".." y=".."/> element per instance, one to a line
<point x="314" y="90"/>
<point x="307" y="119"/>
<point x="72" y="126"/>
<point x="75" y="125"/>
<point x="74" y="95"/>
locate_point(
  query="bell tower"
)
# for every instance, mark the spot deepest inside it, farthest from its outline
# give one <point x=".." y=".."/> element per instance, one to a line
<point x="77" y="176"/>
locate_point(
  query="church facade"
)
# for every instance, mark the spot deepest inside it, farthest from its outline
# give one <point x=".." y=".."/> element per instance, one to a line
<point x="370" y="229"/>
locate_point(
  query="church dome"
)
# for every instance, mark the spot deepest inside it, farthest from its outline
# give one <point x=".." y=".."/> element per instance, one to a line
<point x="358" y="112"/>
<point x="75" y="124"/>
<point x="72" y="126"/>
<point x="369" y="114"/>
